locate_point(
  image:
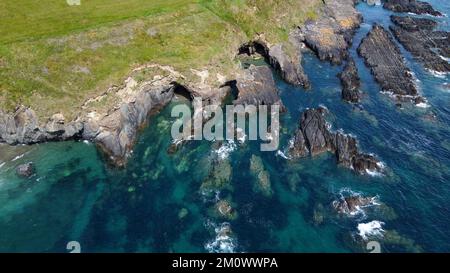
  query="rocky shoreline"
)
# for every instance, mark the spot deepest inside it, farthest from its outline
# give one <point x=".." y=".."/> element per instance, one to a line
<point x="115" y="129"/>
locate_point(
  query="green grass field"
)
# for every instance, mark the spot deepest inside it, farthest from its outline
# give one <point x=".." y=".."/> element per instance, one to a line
<point x="54" y="56"/>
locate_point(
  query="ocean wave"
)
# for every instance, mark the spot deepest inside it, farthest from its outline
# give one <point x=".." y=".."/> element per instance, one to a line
<point x="371" y="229"/>
<point x="224" y="241"/>
<point x="2" y="164"/>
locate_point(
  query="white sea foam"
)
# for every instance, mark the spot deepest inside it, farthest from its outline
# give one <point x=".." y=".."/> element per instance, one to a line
<point x="423" y="105"/>
<point x="438" y="74"/>
<point x="223" y="242"/>
<point x="2" y="164"/>
<point x="226" y="149"/>
<point x="86" y="142"/>
<point x="372" y="229"/>
<point x="283" y="155"/>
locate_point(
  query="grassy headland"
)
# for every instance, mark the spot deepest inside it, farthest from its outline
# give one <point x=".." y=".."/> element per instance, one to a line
<point x="53" y="57"/>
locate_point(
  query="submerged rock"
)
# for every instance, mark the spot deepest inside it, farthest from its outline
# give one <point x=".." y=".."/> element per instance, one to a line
<point x="384" y="58"/>
<point x="330" y="35"/>
<point x="427" y="46"/>
<point x="25" y="170"/>
<point x="256" y="86"/>
<point x="314" y="137"/>
<point x="219" y="177"/>
<point x="263" y="184"/>
<point x="350" y="83"/>
<point x="413" y="6"/>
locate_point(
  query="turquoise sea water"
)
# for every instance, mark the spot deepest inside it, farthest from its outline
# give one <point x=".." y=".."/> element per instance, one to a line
<point x="75" y="196"/>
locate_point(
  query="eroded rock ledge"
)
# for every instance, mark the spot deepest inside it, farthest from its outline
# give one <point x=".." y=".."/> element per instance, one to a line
<point x="331" y="34"/>
<point x="385" y="60"/>
<point x="288" y="65"/>
<point x="256" y="86"/>
<point x="413" y="6"/>
<point x="314" y="137"/>
<point x="427" y="46"/>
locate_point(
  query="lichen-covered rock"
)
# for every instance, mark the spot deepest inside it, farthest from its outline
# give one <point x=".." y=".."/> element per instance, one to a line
<point x="413" y="6"/>
<point x="385" y="60"/>
<point x="330" y="35"/>
<point x="350" y="83"/>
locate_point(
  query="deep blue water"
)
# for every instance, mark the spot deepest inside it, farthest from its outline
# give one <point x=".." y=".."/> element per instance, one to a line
<point x="75" y="196"/>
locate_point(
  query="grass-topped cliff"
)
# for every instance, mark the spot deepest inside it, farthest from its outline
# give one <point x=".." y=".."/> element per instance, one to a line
<point x="53" y="56"/>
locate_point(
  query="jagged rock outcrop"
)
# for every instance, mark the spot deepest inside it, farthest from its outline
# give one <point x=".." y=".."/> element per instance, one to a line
<point x="25" y="170"/>
<point x="290" y="68"/>
<point x="427" y="46"/>
<point x="23" y="127"/>
<point x="256" y="86"/>
<point x="288" y="65"/>
<point x="314" y="137"/>
<point x="350" y="83"/>
<point x="331" y="34"/>
<point x="351" y="204"/>
<point x="413" y="6"/>
<point x="385" y="60"/>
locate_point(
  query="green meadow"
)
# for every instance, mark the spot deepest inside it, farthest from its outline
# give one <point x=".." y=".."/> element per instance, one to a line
<point x="53" y="56"/>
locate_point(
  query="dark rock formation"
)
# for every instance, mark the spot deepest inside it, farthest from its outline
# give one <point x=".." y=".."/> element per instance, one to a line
<point x="413" y="23"/>
<point x="256" y="86"/>
<point x="413" y="6"/>
<point x="384" y="58"/>
<point x="427" y="46"/>
<point x="331" y="34"/>
<point x="350" y="83"/>
<point x="314" y="137"/>
<point x="351" y="204"/>
<point x="25" y="170"/>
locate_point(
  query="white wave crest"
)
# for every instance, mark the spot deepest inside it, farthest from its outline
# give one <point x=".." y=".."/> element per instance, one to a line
<point x="374" y="228"/>
<point x="223" y="242"/>
<point x="226" y="149"/>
